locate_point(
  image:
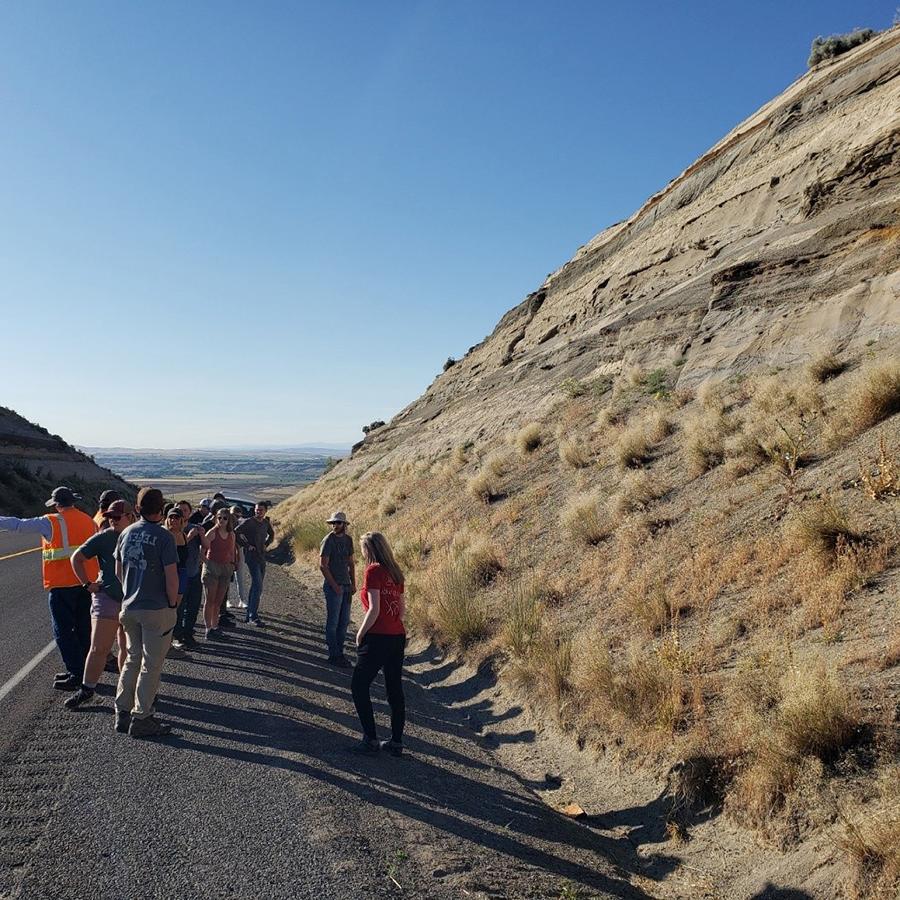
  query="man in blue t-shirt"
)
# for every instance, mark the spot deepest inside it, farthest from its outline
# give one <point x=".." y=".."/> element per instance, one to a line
<point x="146" y="563"/>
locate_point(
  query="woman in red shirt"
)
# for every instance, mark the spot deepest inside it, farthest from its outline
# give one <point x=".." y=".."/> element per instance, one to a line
<point x="380" y="642"/>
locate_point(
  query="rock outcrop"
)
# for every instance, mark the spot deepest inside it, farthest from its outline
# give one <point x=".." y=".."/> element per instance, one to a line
<point x="33" y="462"/>
<point x="780" y="242"/>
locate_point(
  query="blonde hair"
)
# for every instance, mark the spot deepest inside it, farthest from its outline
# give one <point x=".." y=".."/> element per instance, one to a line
<point x="376" y="549"/>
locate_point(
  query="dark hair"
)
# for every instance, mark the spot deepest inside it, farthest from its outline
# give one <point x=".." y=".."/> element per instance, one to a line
<point x="217" y="505"/>
<point x="187" y="503"/>
<point x="150" y="501"/>
<point x="218" y="496"/>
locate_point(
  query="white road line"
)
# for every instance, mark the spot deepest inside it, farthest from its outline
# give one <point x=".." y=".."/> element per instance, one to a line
<point x="23" y="673"/>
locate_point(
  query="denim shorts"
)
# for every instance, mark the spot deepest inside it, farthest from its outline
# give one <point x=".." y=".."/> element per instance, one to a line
<point x="104" y="607"/>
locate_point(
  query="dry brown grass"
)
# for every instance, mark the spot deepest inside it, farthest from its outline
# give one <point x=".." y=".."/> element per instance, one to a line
<point x="634" y="447"/>
<point x="573" y="453"/>
<point x="823" y="527"/>
<point x="872" y="842"/>
<point x="704" y="441"/>
<point x="637" y="490"/>
<point x="522" y="618"/>
<point x="529" y="438"/>
<point x="881" y="477"/>
<point x="483" y="486"/>
<point x="789" y="729"/>
<point x="455" y="608"/>
<point x="825" y="367"/>
<point x="873" y="397"/>
<point x="585" y="519"/>
<point x="498" y="463"/>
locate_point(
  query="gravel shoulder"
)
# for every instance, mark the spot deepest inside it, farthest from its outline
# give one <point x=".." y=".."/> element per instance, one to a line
<point x="257" y="793"/>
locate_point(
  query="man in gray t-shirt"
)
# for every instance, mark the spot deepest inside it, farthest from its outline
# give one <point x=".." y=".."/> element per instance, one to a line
<point x="146" y="563"/>
<point x="336" y="565"/>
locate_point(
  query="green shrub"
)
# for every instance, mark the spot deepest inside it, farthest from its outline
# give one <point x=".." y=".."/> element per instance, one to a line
<point x="833" y="46"/>
<point x="307" y="535"/>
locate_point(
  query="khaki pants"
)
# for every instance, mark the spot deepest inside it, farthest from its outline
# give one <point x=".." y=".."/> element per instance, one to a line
<point x="149" y="635"/>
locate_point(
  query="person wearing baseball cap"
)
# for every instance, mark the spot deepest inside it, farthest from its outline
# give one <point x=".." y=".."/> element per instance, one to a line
<point x="107" y="497"/>
<point x="147" y="565"/>
<point x="106" y="604"/>
<point x="336" y="565"/>
<point x="62" y="532"/>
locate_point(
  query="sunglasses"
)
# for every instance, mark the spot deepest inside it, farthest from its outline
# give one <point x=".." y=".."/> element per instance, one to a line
<point x="115" y="518"/>
<point x="222" y="518"/>
<point x="174" y="516"/>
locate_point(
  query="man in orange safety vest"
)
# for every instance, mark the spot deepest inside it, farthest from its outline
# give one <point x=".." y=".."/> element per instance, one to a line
<point x="62" y="533"/>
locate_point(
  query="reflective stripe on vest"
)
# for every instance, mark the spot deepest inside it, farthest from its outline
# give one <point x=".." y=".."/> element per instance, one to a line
<point x="65" y="552"/>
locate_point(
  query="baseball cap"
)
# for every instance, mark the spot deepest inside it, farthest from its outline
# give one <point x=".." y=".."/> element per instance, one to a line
<point x="62" y="495"/>
<point x="119" y="508"/>
<point x="150" y="501"/>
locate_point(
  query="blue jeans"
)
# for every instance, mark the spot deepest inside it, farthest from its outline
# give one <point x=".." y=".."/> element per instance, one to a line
<point x="70" y="615"/>
<point x="337" y="608"/>
<point x="257" y="572"/>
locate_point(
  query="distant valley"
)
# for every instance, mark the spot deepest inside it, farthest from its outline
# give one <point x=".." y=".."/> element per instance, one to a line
<point x="256" y="473"/>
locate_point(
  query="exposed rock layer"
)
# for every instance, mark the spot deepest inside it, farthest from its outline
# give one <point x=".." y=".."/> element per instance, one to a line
<point x="780" y="243"/>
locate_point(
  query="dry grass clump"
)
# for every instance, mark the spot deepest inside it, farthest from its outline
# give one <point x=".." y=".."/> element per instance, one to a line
<point x="483" y="486"/>
<point x="825" y="367"/>
<point x="546" y="671"/>
<point x="824" y="527"/>
<point x="529" y="438"/>
<point x="389" y="505"/>
<point x="645" y="688"/>
<point x="637" y="490"/>
<point x="610" y="417"/>
<point x="482" y="562"/>
<point x="573" y="453"/>
<point x="585" y="520"/>
<point x="704" y="441"/>
<point x="497" y="463"/>
<point x="456" y="609"/>
<point x="873" y="397"/>
<point x="872" y="841"/>
<point x="634" y="447"/>
<point x="523" y="614"/>
<point x="790" y="730"/>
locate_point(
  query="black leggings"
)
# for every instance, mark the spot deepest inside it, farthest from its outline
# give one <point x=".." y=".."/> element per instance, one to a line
<point x="380" y="651"/>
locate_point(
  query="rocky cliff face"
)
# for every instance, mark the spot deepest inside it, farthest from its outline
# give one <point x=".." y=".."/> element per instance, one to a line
<point x="780" y="242"/>
<point x="33" y="462"/>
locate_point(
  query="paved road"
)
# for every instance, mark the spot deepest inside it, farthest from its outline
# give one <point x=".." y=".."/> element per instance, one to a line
<point x="257" y="794"/>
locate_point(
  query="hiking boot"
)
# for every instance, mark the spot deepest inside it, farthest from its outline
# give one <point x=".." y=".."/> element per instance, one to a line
<point x="82" y="697"/>
<point x="366" y="747"/>
<point x="123" y="721"/>
<point x="72" y="683"/>
<point x="148" y="727"/>
<point x="395" y="748"/>
<point x="176" y="653"/>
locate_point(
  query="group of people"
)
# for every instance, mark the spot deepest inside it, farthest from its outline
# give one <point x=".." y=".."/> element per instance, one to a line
<point x="140" y="574"/>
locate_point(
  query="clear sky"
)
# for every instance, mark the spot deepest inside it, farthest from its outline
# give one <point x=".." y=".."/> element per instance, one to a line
<point x="230" y="223"/>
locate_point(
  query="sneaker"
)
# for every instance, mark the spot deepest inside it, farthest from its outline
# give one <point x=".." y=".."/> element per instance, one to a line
<point x="395" y="748"/>
<point x="82" y="697"/>
<point x="257" y="622"/>
<point x="213" y="634"/>
<point x="229" y="622"/>
<point x="176" y="653"/>
<point x="366" y="747"/>
<point x="190" y="644"/>
<point x="70" y="684"/>
<point x="63" y="676"/>
<point x="148" y="727"/>
<point x="123" y="721"/>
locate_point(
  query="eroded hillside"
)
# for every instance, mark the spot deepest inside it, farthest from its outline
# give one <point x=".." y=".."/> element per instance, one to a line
<point x="662" y="496"/>
<point x="33" y="462"/>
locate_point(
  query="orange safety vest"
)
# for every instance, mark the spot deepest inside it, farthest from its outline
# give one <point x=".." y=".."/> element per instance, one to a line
<point x="71" y="528"/>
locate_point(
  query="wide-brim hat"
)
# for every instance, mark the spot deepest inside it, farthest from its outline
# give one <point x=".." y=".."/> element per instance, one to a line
<point x="338" y="517"/>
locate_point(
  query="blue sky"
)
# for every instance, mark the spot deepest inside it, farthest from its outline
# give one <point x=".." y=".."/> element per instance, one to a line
<point x="230" y="223"/>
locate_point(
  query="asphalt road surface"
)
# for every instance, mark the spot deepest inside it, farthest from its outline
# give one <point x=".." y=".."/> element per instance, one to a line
<point x="257" y="795"/>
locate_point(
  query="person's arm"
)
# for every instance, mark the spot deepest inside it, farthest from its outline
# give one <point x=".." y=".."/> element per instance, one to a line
<point x="237" y="555"/>
<point x="39" y="525"/>
<point x="78" y="560"/>
<point x="171" y="571"/>
<point x="371" y="615"/>
<point x="352" y="570"/>
<point x="324" y="567"/>
<point x="270" y="532"/>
